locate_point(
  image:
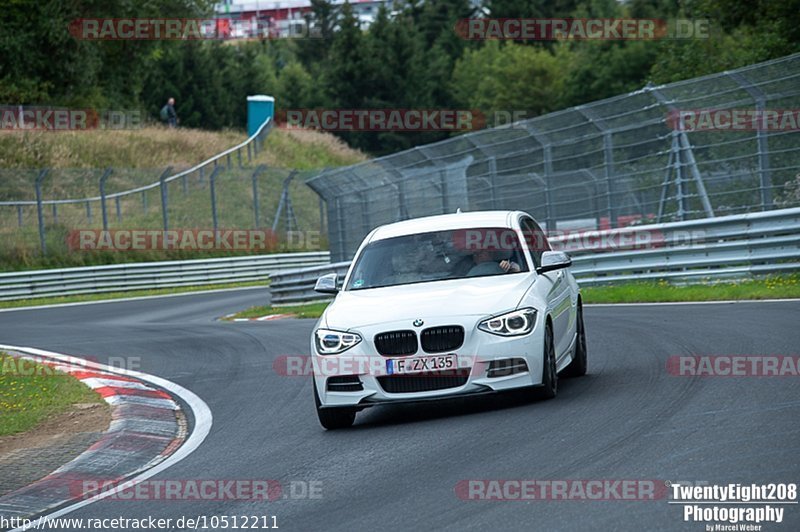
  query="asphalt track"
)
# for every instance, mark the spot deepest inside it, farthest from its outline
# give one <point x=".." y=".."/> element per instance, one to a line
<point x="397" y="468"/>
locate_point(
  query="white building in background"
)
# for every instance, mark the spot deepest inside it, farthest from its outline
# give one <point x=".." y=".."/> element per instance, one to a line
<point x="286" y="18"/>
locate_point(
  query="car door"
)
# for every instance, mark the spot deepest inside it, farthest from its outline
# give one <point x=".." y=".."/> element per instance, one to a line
<point x="558" y="292"/>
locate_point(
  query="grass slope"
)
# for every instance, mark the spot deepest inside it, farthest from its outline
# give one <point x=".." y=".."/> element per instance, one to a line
<point x="138" y="157"/>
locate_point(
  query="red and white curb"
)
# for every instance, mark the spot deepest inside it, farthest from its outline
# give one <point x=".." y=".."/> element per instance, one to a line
<point x="148" y="433"/>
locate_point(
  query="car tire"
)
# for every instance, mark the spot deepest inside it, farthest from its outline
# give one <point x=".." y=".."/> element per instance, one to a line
<point x="577" y="368"/>
<point x="549" y="387"/>
<point x="333" y="418"/>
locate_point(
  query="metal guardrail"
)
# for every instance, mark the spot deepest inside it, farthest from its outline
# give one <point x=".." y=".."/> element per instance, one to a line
<point x="691" y="251"/>
<point x="149" y="275"/>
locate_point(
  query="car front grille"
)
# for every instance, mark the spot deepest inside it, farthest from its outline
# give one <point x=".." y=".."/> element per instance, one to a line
<point x="420" y="383"/>
<point x="396" y="343"/>
<point x="442" y="339"/>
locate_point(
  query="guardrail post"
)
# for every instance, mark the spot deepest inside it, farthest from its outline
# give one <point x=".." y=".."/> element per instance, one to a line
<point x="89" y="211"/>
<point x="260" y="168"/>
<point x="229" y="161"/>
<point x="144" y="201"/>
<point x="106" y="175"/>
<point x="55" y="213"/>
<point x="39" y="215"/>
<point x="19" y="215"/>
<point x="211" y="180"/>
<point x="118" y="208"/>
<point x="249" y="154"/>
<point x="185" y="184"/>
<point x="201" y="174"/>
<point x="164" y="200"/>
<point x="239" y="155"/>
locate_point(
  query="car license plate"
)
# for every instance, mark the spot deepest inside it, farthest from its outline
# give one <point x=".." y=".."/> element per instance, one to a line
<point x="398" y="366"/>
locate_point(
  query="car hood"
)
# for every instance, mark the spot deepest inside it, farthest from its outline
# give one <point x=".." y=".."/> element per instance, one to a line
<point x="457" y="297"/>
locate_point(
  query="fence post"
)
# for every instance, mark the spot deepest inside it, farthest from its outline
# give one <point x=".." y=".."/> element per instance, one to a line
<point x="764" y="172"/>
<point x="164" y="200"/>
<point x="547" y="156"/>
<point x="19" y="215"/>
<point x="492" y="175"/>
<point x="211" y="180"/>
<point x="678" y="162"/>
<point x="39" y="215"/>
<point x="322" y="229"/>
<point x="106" y="175"/>
<point x="260" y="168"/>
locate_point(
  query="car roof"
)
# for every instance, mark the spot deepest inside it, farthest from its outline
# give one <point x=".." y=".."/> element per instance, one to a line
<point x="445" y="222"/>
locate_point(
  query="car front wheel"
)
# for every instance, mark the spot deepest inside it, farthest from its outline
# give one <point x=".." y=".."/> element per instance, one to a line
<point x="549" y="386"/>
<point x="333" y="418"/>
<point x="577" y="368"/>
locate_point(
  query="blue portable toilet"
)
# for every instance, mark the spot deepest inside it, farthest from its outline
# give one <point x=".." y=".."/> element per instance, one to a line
<point x="259" y="108"/>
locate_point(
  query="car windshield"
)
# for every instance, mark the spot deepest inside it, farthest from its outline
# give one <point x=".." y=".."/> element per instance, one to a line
<point x="438" y="256"/>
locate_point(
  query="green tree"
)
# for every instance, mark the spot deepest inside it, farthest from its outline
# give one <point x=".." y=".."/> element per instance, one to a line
<point x="510" y="77"/>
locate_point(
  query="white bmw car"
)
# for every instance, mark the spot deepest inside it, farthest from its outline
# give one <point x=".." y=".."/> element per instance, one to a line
<point x="443" y="306"/>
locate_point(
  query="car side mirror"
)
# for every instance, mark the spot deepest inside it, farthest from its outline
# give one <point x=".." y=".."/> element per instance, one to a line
<point x="327" y="284"/>
<point x="554" y="260"/>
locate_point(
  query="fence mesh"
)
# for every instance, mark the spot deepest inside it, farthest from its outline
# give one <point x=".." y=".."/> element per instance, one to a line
<point x="606" y="164"/>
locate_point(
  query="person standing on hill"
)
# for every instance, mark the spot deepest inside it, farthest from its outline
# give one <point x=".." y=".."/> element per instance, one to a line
<point x="168" y="113"/>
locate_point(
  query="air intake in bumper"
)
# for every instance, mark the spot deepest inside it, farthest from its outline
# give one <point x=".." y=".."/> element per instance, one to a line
<point x="344" y="383"/>
<point x="506" y="367"/>
<point x="420" y="383"/>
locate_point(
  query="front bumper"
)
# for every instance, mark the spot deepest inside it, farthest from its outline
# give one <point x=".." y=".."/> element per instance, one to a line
<point x="475" y="356"/>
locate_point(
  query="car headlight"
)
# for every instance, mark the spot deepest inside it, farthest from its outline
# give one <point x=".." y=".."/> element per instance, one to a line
<point x="514" y="323"/>
<point x="334" y="342"/>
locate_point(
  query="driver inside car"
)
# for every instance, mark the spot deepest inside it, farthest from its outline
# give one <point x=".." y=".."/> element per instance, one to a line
<point x="486" y="263"/>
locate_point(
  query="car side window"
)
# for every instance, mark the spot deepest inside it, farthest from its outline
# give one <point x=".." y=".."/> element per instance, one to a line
<point x="535" y="240"/>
